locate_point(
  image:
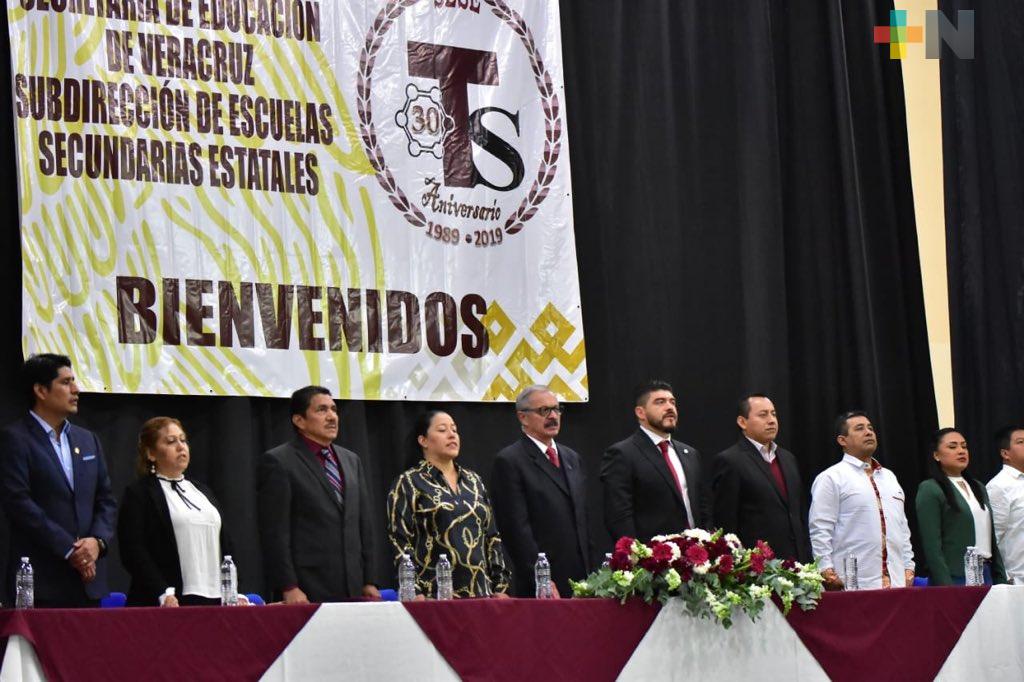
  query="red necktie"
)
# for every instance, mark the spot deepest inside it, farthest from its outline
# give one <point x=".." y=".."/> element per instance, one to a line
<point x="779" y="480"/>
<point x="668" y="462"/>
<point x="553" y="456"/>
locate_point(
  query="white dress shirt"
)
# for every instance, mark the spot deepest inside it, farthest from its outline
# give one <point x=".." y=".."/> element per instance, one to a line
<point x="544" y="448"/>
<point x="767" y="452"/>
<point x="845" y="520"/>
<point x="1006" y="495"/>
<point x="982" y="521"/>
<point x="677" y="466"/>
<point x="197" y="534"/>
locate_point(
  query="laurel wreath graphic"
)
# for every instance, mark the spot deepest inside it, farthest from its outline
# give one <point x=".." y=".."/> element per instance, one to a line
<point x="549" y="102"/>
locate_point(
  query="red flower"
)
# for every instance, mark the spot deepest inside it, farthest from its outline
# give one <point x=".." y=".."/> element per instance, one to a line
<point x="625" y="544"/>
<point x="662" y="552"/>
<point x="718" y="548"/>
<point x="725" y="564"/>
<point x="696" y="554"/>
<point x="765" y="550"/>
<point x="620" y="561"/>
<point x="756" y="563"/>
<point x="789" y="564"/>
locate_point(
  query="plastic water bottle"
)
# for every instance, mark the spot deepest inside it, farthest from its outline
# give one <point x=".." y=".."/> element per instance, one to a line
<point x="406" y="579"/>
<point x="24" y="585"/>
<point x="228" y="582"/>
<point x="542" y="577"/>
<point x="444" y="577"/>
<point x="850" y="579"/>
<point x="972" y="567"/>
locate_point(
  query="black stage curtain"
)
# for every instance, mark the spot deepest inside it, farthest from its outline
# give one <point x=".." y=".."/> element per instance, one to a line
<point x="983" y="149"/>
<point x="743" y="222"/>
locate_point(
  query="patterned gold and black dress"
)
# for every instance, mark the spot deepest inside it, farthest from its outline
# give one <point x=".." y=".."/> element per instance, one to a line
<point x="426" y="519"/>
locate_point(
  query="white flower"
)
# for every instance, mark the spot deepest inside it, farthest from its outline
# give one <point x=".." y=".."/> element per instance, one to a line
<point x="698" y="534"/>
<point x="785" y="583"/>
<point x="760" y="592"/>
<point x="733" y="541"/>
<point x="641" y="550"/>
<point x="701" y="569"/>
<point x="672" y="579"/>
<point x="623" y="578"/>
<point x="660" y="538"/>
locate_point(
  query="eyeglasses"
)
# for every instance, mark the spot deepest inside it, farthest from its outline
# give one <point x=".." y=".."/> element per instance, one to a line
<point x="544" y="411"/>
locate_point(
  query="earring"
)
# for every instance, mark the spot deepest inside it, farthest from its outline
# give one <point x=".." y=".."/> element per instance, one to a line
<point x="152" y="467"/>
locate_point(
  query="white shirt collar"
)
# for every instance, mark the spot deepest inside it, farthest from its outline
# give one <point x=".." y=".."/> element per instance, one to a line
<point x="770" y="454"/>
<point x="655" y="438"/>
<point x="543" y="448"/>
<point x="1012" y="472"/>
<point x="853" y="461"/>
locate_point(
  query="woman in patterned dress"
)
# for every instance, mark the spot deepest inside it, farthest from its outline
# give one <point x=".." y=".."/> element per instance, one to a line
<point x="438" y="507"/>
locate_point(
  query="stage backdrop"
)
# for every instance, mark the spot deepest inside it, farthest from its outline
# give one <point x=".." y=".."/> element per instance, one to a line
<point x="236" y="197"/>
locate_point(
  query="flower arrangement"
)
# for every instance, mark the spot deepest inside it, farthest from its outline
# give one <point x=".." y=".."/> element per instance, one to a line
<point x="712" y="572"/>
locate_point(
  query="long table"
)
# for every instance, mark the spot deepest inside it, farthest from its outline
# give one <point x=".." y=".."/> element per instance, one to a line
<point x="911" y="634"/>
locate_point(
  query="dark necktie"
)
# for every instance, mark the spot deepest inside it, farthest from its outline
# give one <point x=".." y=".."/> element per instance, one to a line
<point x="780" y="481"/>
<point x="176" y="487"/>
<point x="333" y="474"/>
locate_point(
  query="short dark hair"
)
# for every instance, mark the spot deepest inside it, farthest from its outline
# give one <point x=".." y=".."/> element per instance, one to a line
<point x="641" y="392"/>
<point x="743" y="406"/>
<point x="304" y="396"/>
<point x="42" y="368"/>
<point x="840" y="428"/>
<point x="1005" y="435"/>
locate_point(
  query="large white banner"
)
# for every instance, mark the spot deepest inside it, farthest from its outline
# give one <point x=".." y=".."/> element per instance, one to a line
<point x="241" y="197"/>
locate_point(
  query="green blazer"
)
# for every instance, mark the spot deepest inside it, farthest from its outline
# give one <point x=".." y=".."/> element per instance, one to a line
<point x="946" y="534"/>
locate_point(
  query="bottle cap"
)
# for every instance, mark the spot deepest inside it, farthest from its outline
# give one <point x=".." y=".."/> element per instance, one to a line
<point x="227" y="557"/>
<point x="24" y="559"/>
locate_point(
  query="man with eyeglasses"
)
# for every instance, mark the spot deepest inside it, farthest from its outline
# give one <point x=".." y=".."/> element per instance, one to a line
<point x="538" y="492"/>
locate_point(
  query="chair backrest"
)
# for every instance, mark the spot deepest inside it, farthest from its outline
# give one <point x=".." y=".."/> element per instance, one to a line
<point x="114" y="600"/>
<point x="389" y="595"/>
<point x="255" y="599"/>
<point x="920" y="582"/>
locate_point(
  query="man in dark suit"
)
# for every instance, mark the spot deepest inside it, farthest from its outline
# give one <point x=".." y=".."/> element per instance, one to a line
<point x="756" y="486"/>
<point x="314" y="510"/>
<point x="55" y="490"/>
<point x="539" y="497"/>
<point x="652" y="482"/>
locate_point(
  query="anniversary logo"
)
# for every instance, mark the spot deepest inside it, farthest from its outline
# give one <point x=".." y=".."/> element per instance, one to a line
<point x="237" y="197"/>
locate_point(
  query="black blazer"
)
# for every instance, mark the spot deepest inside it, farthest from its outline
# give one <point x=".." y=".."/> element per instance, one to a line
<point x="640" y="495"/>
<point x="310" y="539"/>
<point x="747" y="500"/>
<point x="541" y="508"/>
<point x="146" y="540"/>
<point x="46" y="515"/>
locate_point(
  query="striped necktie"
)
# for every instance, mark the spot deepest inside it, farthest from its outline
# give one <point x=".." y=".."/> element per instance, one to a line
<point x="333" y="474"/>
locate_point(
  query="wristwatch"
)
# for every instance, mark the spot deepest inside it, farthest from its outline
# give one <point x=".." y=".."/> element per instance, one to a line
<point x="103" y="546"/>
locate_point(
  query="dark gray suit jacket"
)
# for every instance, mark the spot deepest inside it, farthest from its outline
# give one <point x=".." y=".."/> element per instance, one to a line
<point x="541" y="508"/>
<point x="641" y="499"/>
<point x="310" y="538"/>
<point x="747" y="501"/>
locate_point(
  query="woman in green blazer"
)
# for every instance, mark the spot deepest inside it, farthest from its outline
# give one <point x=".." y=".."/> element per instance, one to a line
<point x="946" y="519"/>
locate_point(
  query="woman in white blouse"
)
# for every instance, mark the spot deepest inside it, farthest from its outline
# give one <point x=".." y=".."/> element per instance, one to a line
<point x="953" y="513"/>
<point x="169" y="528"/>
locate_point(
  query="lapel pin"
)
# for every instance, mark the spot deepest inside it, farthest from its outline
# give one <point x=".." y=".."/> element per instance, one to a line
<point x="77" y="451"/>
<point x="685" y="451"/>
